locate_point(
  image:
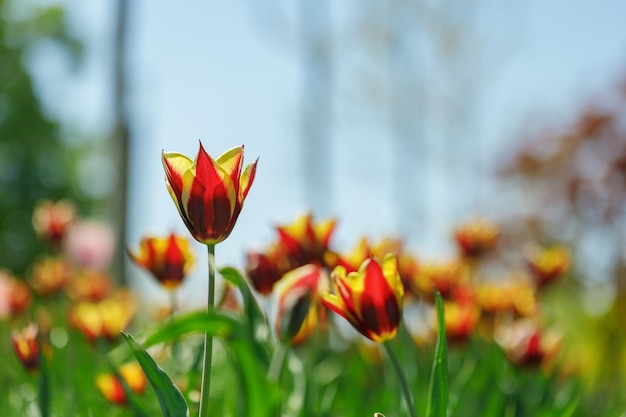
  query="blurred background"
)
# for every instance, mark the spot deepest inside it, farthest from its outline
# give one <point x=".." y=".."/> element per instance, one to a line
<point x="396" y="117"/>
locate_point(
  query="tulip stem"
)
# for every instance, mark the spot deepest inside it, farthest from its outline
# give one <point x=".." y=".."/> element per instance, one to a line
<point x="402" y="378"/>
<point x="208" y="338"/>
<point x="175" y="346"/>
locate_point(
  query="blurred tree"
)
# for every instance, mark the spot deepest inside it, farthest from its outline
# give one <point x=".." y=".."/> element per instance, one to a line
<point x="34" y="163"/>
<point x="121" y="136"/>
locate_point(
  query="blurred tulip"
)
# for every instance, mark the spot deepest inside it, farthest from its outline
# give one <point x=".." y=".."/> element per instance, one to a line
<point x="547" y="264"/>
<point x="27" y="347"/>
<point x="106" y="318"/>
<point x="15" y="295"/>
<point x="51" y="220"/>
<point x="168" y="259"/>
<point x="90" y="285"/>
<point x="446" y="275"/>
<point x="525" y="343"/>
<point x="461" y="320"/>
<point x="90" y="244"/>
<point x="111" y="388"/>
<point x="350" y="261"/>
<point x="208" y="193"/>
<point x="515" y="294"/>
<point x="370" y="299"/>
<point x="50" y="275"/>
<point x="265" y="269"/>
<point x="298" y="303"/>
<point x="476" y="237"/>
<point x="306" y="242"/>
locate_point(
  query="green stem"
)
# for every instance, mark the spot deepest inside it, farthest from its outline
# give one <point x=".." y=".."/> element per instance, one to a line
<point x="175" y="345"/>
<point x="44" y="386"/>
<point x="276" y="365"/>
<point x="402" y="378"/>
<point x="208" y="339"/>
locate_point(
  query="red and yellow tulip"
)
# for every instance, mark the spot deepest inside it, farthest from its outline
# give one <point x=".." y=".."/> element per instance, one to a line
<point x="370" y="299"/>
<point x="526" y="343"/>
<point x="106" y="318"/>
<point x="90" y="285"/>
<point x="547" y="264"/>
<point x="209" y="193"/>
<point x="51" y="219"/>
<point x="477" y="236"/>
<point x="350" y="261"/>
<point x="168" y="259"/>
<point x="306" y="242"/>
<point x="299" y="311"/>
<point x="26" y="346"/>
<point x="111" y="388"/>
<point x="51" y="275"/>
<point x="265" y="269"/>
<point x="445" y="274"/>
<point x="15" y="295"/>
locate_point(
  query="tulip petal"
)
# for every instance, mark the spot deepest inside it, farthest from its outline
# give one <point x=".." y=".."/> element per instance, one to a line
<point x="231" y="161"/>
<point x="334" y="303"/>
<point x="175" y="165"/>
<point x="246" y="180"/>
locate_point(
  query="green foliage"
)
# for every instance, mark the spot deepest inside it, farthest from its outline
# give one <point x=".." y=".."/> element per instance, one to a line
<point x="34" y="162"/>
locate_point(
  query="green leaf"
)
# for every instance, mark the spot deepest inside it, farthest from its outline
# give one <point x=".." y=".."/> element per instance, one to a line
<point x="437" y="405"/>
<point x="250" y="307"/>
<point x="170" y="398"/>
<point x="260" y="396"/>
<point x="198" y="322"/>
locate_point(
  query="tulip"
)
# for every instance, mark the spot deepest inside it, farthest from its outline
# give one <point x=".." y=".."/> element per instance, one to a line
<point x="305" y="241"/>
<point x="526" y="343"/>
<point x="111" y="388"/>
<point x="90" y="285"/>
<point x="298" y="304"/>
<point x="104" y="319"/>
<point x="547" y="264"/>
<point x="445" y="274"/>
<point x="476" y="237"/>
<point x="15" y="295"/>
<point x="265" y="269"/>
<point x="167" y="259"/>
<point x="351" y="261"/>
<point x="461" y="320"/>
<point x="51" y="275"/>
<point x="26" y="346"/>
<point x="370" y="299"/>
<point x="51" y="220"/>
<point x="208" y="193"/>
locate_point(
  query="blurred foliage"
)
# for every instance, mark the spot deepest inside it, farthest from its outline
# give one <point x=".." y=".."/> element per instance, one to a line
<point x="34" y="162"/>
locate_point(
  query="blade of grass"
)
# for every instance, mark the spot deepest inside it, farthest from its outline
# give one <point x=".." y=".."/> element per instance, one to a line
<point x="437" y="405"/>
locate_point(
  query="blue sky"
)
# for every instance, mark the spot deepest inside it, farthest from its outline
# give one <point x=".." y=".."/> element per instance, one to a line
<point x="227" y="73"/>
